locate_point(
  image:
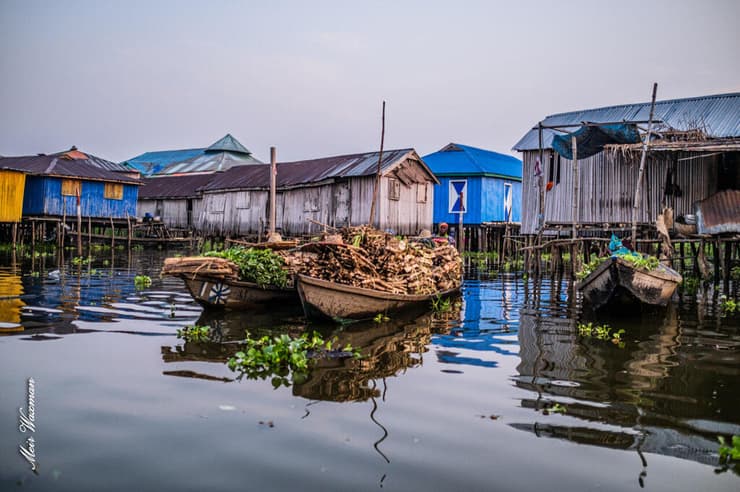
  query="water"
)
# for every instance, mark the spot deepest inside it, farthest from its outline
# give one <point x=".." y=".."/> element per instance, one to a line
<point x="503" y="393"/>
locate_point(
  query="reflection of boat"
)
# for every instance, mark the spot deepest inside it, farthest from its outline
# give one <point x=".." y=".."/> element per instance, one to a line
<point x="386" y="349"/>
<point x="618" y="278"/>
<point x="324" y="299"/>
<point x="234" y="294"/>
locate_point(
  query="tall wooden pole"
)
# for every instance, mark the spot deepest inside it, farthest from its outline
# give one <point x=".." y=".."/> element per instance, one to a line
<point x="460" y="232"/>
<point x="273" y="189"/>
<point x="376" y="187"/>
<point x="79" y="223"/>
<point x="576" y="187"/>
<point x="541" y="182"/>
<point x="640" y="173"/>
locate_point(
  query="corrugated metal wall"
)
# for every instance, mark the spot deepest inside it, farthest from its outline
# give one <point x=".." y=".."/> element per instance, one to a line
<point x="12" y="184"/>
<point x="607" y="184"/>
<point x="43" y="196"/>
<point x="173" y="213"/>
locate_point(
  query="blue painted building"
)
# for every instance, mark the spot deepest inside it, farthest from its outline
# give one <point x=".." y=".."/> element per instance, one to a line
<point x="55" y="181"/>
<point x="485" y="185"/>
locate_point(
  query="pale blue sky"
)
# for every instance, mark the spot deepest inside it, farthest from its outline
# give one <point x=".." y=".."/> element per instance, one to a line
<point x="119" y="78"/>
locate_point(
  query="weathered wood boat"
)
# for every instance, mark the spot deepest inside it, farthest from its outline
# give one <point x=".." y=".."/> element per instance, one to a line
<point x="322" y="299"/>
<point x="618" y="280"/>
<point x="223" y="293"/>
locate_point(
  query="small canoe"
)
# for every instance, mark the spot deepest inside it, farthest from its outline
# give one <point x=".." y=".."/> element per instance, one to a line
<point x="234" y="294"/>
<point x="322" y="299"/>
<point x="618" y="280"/>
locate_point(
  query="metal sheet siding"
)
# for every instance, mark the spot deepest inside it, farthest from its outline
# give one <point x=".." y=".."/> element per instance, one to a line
<point x="33" y="196"/>
<point x="12" y="184"/>
<point x="492" y="200"/>
<point x="44" y="197"/>
<point x="441" y="201"/>
<point x="607" y="186"/>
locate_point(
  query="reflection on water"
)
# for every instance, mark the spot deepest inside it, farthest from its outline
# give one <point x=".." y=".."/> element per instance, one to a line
<point x="427" y="407"/>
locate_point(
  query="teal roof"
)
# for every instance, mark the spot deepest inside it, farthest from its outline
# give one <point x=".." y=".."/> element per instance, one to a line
<point x="463" y="160"/>
<point x="221" y="155"/>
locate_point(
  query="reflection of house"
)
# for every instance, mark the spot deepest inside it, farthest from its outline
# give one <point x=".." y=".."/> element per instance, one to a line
<point x="219" y="156"/>
<point x="695" y="154"/>
<point x="55" y="182"/>
<point x="491" y="184"/>
<point x="336" y="191"/>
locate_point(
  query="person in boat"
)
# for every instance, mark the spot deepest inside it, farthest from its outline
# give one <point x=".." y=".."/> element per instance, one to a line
<point x="443" y="233"/>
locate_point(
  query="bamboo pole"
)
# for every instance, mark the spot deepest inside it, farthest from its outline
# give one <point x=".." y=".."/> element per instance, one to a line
<point x="540" y="182"/>
<point x="641" y="171"/>
<point x="273" y="190"/>
<point x="576" y="190"/>
<point x="376" y="187"/>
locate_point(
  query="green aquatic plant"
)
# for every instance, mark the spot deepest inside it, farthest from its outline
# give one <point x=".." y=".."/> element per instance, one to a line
<point x="261" y="266"/>
<point x="601" y="332"/>
<point x="728" y="306"/>
<point x="381" y="318"/>
<point x="589" y="267"/>
<point x="283" y="358"/>
<point x="554" y="408"/>
<point x="647" y="263"/>
<point x="617" y="337"/>
<point x="441" y="305"/>
<point x="142" y="281"/>
<point x="81" y="260"/>
<point x="729" y="451"/>
<point x="690" y="285"/>
<point x="735" y="273"/>
<point x="194" y="333"/>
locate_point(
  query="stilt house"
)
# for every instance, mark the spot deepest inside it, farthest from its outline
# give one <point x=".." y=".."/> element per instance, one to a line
<point x="54" y="183"/>
<point x="484" y="186"/>
<point x="694" y="152"/>
<point x="335" y="191"/>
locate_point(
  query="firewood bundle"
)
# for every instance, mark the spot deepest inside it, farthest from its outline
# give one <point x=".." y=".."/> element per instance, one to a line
<point x="201" y="265"/>
<point x="366" y="257"/>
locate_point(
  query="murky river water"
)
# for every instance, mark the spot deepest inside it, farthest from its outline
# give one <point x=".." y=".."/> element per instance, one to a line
<point x="504" y="394"/>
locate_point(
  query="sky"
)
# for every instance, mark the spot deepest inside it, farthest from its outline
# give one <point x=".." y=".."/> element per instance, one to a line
<point x="120" y="78"/>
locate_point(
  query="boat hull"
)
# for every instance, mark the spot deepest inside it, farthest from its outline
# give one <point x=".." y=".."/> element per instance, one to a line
<point x="230" y="294"/>
<point x="329" y="300"/>
<point x="617" y="279"/>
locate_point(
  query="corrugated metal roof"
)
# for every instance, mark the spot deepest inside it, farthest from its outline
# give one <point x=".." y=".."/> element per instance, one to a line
<point x="208" y="162"/>
<point x="720" y="213"/>
<point x="309" y="171"/>
<point x="228" y="144"/>
<point x="226" y="152"/>
<point x="60" y="164"/>
<point x="456" y="159"/>
<point x="177" y="187"/>
<point x="718" y="115"/>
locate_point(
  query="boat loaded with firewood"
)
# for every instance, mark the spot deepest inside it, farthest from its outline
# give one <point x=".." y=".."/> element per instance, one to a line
<point x="361" y="272"/>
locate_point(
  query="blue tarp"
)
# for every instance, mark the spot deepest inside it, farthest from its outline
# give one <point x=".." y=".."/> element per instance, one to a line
<point x="591" y="139"/>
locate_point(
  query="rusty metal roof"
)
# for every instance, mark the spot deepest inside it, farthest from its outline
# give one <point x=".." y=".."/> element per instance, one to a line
<point x="174" y="187"/>
<point x="68" y="164"/>
<point x="311" y="171"/>
<point x="718" y="115"/>
<point x="719" y="213"/>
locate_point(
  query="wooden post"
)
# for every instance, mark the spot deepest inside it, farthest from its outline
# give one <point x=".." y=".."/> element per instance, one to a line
<point x="727" y="268"/>
<point x="112" y="234"/>
<point x="15" y="235"/>
<point x="641" y="171"/>
<point x="33" y="235"/>
<point x="128" y="231"/>
<point x="89" y="231"/>
<point x="376" y="187"/>
<point x="79" y="225"/>
<point x="273" y="190"/>
<point x="576" y="189"/>
<point x="541" y="183"/>
<point x="460" y="235"/>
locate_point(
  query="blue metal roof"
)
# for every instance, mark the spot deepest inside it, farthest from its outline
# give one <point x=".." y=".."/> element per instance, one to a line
<point x="463" y="160"/>
<point x="717" y="115"/>
<point x="224" y="153"/>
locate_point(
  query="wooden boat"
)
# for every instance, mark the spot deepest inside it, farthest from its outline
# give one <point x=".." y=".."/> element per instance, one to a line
<point x="322" y="299"/>
<point x="234" y="294"/>
<point x="618" y="279"/>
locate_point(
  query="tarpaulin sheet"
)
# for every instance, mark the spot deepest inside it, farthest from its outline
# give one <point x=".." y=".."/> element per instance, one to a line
<point x="591" y="139"/>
